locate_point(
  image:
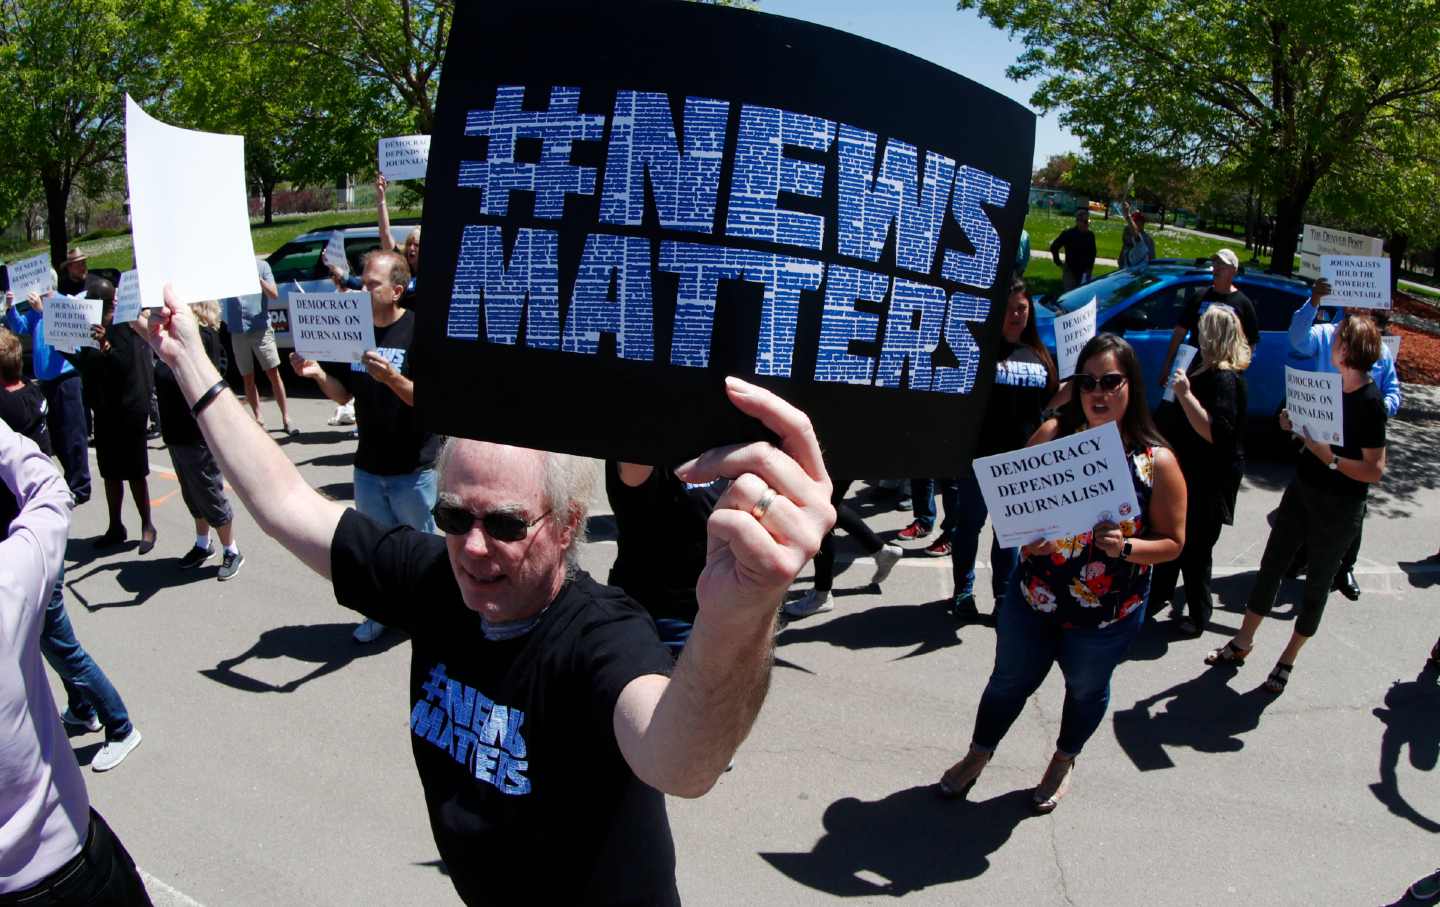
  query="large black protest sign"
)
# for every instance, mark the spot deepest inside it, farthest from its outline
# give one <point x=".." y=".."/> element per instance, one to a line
<point x="628" y="202"/>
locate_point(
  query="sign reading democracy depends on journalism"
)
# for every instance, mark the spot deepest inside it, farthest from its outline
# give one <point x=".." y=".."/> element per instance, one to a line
<point x="68" y="320"/>
<point x="1072" y="331"/>
<point x="1357" y="281"/>
<point x="1313" y="400"/>
<point x="1391" y="342"/>
<point x="332" y="327"/>
<point x="404" y="157"/>
<point x="630" y="202"/>
<point x="1318" y="241"/>
<point x="30" y="275"/>
<point x="1058" y="489"/>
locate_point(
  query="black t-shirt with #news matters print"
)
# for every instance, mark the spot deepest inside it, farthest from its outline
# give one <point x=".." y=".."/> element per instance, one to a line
<point x="392" y="440"/>
<point x="530" y="800"/>
<point x="632" y="201"/>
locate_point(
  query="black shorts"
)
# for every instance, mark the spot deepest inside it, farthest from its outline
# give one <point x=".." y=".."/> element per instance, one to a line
<point x="120" y="445"/>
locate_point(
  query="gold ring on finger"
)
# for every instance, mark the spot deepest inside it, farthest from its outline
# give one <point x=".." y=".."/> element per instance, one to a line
<point x="762" y="505"/>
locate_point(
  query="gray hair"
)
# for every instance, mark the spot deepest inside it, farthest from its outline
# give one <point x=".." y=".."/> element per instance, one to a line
<point x="568" y="485"/>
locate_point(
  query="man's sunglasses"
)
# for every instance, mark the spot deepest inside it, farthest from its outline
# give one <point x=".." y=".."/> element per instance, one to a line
<point x="1109" y="383"/>
<point x="500" y="525"/>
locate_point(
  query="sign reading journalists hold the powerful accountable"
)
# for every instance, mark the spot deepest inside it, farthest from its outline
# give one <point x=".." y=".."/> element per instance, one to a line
<point x="631" y="201"/>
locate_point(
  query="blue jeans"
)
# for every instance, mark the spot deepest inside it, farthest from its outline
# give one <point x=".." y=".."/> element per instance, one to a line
<point x="88" y="689"/>
<point x="922" y="502"/>
<point x="674" y="633"/>
<point x="66" y="421"/>
<point x="403" y="500"/>
<point x="1026" y="645"/>
<point x="970" y="513"/>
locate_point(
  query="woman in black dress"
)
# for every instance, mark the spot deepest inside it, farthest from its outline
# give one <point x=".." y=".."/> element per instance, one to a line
<point x="118" y="379"/>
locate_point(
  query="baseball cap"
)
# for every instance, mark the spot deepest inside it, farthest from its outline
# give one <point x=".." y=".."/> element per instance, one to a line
<point x="1227" y="257"/>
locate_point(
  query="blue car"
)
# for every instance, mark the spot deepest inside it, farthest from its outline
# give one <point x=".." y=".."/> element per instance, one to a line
<point x="1143" y="304"/>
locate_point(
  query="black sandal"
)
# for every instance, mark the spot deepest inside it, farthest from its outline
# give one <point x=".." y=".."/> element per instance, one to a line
<point x="1229" y="654"/>
<point x="1278" y="678"/>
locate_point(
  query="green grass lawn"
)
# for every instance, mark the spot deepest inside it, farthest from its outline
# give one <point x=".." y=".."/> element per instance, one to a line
<point x="1043" y="278"/>
<point x="266" y="239"/>
<point x="1044" y="226"/>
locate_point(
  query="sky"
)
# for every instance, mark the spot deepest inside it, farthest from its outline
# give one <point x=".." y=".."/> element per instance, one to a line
<point x="932" y="29"/>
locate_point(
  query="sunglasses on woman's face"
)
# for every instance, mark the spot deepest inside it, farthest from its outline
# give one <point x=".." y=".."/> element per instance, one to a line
<point x="1109" y="382"/>
<point x="500" y="525"/>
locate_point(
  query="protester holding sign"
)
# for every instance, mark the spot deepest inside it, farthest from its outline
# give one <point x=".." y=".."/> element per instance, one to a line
<point x="61" y="384"/>
<point x="1025" y="380"/>
<point x="411" y="249"/>
<point x="548" y="719"/>
<point x="1139" y="246"/>
<point x="1310" y="349"/>
<point x="1204" y="425"/>
<point x="74" y="274"/>
<point x="119" y="377"/>
<point x="1222" y="291"/>
<point x="395" y="482"/>
<point x="1080" y="601"/>
<point x="1324" y="504"/>
<point x="201" y="485"/>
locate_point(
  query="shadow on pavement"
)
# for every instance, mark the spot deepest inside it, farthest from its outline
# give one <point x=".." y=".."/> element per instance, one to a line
<point x="1412" y="718"/>
<point x="906" y="842"/>
<point x="334" y="436"/>
<point x="337" y="459"/>
<point x="328" y="646"/>
<point x="601" y="528"/>
<point x="1422" y="574"/>
<point x="436" y="864"/>
<point x="928" y="627"/>
<point x="1411" y="440"/>
<point x="338" y="491"/>
<point x="140" y="578"/>
<point x="1205" y="714"/>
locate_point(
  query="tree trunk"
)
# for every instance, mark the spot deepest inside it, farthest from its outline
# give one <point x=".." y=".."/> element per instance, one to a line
<point x="267" y="189"/>
<point x="1399" y="244"/>
<point x="57" y="195"/>
<point x="1289" y="211"/>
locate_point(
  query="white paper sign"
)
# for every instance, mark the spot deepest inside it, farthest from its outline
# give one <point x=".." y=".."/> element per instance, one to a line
<point x="1357" y="281"/>
<point x="127" y="298"/>
<point x="31" y="275"/>
<point x="1313" y="400"/>
<point x="1318" y="241"/>
<point x="188" y="210"/>
<point x="1392" y="344"/>
<point x="332" y="327"/>
<point x="404" y="157"/>
<point x="1184" y="355"/>
<point x="1072" y="331"/>
<point x="334" y="254"/>
<point x="68" y="320"/>
<point x="1058" y="489"/>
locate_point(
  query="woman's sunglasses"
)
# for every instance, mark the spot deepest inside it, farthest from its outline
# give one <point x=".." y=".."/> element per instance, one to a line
<point x="1109" y="383"/>
<point x="500" y="525"/>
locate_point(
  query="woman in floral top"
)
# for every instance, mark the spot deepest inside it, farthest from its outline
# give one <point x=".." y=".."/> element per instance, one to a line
<point x="1080" y="601"/>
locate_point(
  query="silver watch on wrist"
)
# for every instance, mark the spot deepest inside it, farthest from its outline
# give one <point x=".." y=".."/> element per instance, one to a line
<point x="1334" y="462"/>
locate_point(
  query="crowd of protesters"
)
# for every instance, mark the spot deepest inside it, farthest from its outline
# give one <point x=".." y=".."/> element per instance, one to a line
<point x="645" y="686"/>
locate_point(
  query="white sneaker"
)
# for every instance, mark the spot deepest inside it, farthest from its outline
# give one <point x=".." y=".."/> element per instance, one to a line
<point x="885" y="560"/>
<point x="91" y="724"/>
<point x="811" y="602"/>
<point x="368" y="631"/>
<point x="115" y="751"/>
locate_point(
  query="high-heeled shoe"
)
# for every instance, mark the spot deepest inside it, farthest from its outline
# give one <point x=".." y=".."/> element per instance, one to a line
<point x="956" y="783"/>
<point x="1054" y="786"/>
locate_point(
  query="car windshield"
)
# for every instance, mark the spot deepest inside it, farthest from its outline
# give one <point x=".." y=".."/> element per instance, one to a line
<point x="1109" y="290"/>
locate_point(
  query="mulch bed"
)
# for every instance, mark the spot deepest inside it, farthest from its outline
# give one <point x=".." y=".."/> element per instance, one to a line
<point x="1419" y="330"/>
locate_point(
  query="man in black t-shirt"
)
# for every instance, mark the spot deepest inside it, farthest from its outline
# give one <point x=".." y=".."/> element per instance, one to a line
<point x="1222" y="291"/>
<point x="1078" y="244"/>
<point x="395" y="481"/>
<point x="545" y="718"/>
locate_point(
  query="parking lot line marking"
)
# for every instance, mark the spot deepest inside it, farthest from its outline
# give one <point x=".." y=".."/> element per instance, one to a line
<point x="169" y="895"/>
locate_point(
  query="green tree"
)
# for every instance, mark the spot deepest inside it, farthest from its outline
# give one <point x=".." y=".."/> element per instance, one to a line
<point x="1055" y="172"/>
<point x="304" y="119"/>
<point x="65" y="67"/>
<point x="1281" y="89"/>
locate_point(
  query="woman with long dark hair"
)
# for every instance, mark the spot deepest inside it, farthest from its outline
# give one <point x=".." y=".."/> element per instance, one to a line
<point x="1079" y="601"/>
<point x="1203" y="424"/>
<point x="1024" y="382"/>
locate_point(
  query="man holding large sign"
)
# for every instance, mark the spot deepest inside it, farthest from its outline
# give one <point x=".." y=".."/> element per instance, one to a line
<point x="395" y="480"/>
<point x="750" y="197"/>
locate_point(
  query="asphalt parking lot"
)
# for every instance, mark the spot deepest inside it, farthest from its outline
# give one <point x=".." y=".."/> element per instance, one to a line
<point x="276" y="766"/>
